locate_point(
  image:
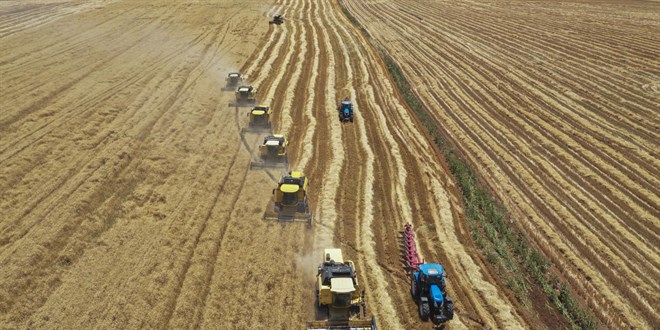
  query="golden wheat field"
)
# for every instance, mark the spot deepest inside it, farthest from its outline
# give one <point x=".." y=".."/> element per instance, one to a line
<point x="127" y="199"/>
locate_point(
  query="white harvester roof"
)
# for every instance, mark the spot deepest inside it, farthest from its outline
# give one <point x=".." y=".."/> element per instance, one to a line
<point x="342" y="285"/>
<point x="273" y="143"/>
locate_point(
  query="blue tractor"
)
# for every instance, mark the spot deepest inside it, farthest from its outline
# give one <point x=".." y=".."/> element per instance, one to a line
<point x="345" y="111"/>
<point x="427" y="286"/>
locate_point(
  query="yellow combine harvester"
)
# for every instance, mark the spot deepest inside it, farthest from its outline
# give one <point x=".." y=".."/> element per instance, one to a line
<point x="259" y="119"/>
<point x="277" y="19"/>
<point x="245" y="96"/>
<point x="290" y="202"/>
<point x="272" y="153"/>
<point x="232" y="80"/>
<point x="340" y="301"/>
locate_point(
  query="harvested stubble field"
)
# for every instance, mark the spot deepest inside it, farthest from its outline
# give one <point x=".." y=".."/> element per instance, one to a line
<point x="125" y="195"/>
<point x="557" y="105"/>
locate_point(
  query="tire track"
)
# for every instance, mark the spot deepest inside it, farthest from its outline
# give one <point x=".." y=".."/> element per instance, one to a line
<point x="369" y="265"/>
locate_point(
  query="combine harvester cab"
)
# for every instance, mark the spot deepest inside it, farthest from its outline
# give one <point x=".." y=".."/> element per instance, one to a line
<point x="272" y="153"/>
<point x="427" y="283"/>
<point x="232" y="80"/>
<point x="339" y="296"/>
<point x="259" y="120"/>
<point x="290" y="200"/>
<point x="345" y="110"/>
<point x="245" y="96"/>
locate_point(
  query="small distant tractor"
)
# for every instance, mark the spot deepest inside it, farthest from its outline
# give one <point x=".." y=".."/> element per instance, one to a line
<point x="277" y="19"/>
<point x="427" y="283"/>
<point x="345" y="110"/>
<point x="272" y="152"/>
<point x="290" y="202"/>
<point x="245" y="96"/>
<point x="259" y="119"/>
<point x="339" y="295"/>
<point x="232" y="80"/>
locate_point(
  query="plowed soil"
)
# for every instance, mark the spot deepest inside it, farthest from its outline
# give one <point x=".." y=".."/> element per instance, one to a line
<point x="126" y="198"/>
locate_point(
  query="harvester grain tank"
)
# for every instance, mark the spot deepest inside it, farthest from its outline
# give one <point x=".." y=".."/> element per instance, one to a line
<point x="258" y="119"/>
<point x="339" y="295"/>
<point x="290" y="200"/>
<point x="345" y="110"/>
<point x="272" y="153"/>
<point x="427" y="283"/>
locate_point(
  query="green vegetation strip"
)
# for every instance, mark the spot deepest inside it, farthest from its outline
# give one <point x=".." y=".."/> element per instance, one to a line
<point x="519" y="264"/>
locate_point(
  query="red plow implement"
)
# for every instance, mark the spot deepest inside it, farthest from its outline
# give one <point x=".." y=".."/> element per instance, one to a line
<point x="410" y="254"/>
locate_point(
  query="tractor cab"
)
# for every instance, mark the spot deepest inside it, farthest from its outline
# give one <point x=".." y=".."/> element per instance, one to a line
<point x="433" y="274"/>
<point x="428" y="288"/>
<point x="432" y="280"/>
<point x="345" y="110"/>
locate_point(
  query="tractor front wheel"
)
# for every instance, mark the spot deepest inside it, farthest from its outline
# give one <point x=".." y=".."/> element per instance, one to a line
<point x="449" y="310"/>
<point x="413" y="289"/>
<point x="424" y="311"/>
